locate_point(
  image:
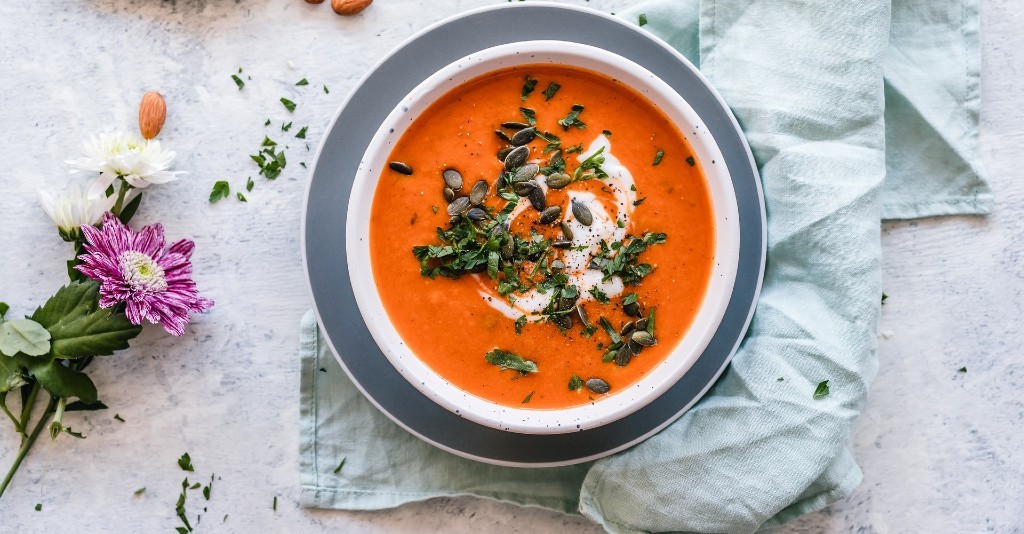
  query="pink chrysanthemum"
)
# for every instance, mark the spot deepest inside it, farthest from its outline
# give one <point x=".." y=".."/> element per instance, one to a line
<point x="134" y="268"/>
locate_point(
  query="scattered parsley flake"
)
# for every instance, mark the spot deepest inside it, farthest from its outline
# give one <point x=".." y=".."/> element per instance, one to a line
<point x="607" y="133"/>
<point x="342" y="464"/>
<point x="221" y="189"/>
<point x="884" y="296"/>
<point x="549" y="93"/>
<point x="275" y="503"/>
<point x="39" y="507"/>
<point x="326" y="90"/>
<point x="249" y="184"/>
<point x="573" y="118"/>
<point x="288" y="104"/>
<point x="599" y="295"/>
<point x="658" y="156"/>
<point x="779" y="379"/>
<point x="962" y="370"/>
<point x="303" y="82"/>
<point x="508" y="360"/>
<point x="690" y="161"/>
<point x="643" y="19"/>
<point x="267" y="123"/>
<point x="286" y="127"/>
<point x="302" y="132"/>
<point x="118" y="417"/>
<point x="238" y="81"/>
<point x="575" y="383"/>
<point x="185" y="463"/>
<point x="529" y="84"/>
<point x="639" y="201"/>
<point x="530" y="115"/>
<point x="140" y="491"/>
<point x="240" y="197"/>
<point x="821" y="391"/>
<point x="527" y="399"/>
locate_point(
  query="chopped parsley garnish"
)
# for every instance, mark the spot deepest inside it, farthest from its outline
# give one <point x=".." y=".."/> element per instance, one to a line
<point x="573" y="118"/>
<point x="821" y="391"/>
<point x="326" y="90"/>
<point x="275" y="503"/>
<point x="249" y="184"/>
<point x="240" y="197"/>
<point x="690" y="161"/>
<point x="639" y="201"/>
<point x="658" y="156"/>
<point x="302" y="82"/>
<point x="140" y="491"/>
<point x="549" y="93"/>
<point x="302" y="132"/>
<point x="962" y="370"/>
<point x="553" y="142"/>
<point x="643" y="19"/>
<point x="625" y="263"/>
<point x="238" y="81"/>
<point x="607" y="133"/>
<point x="529" y="84"/>
<point x="520" y="323"/>
<point x="39" y="507"/>
<point x="630" y="299"/>
<point x="528" y="397"/>
<point x="288" y="104"/>
<point x="185" y="463"/>
<point x="575" y="383"/>
<point x="267" y="123"/>
<point x="884" y="296"/>
<point x="342" y="464"/>
<point x="577" y="148"/>
<point x="270" y="161"/>
<point x="530" y="115"/>
<point x="286" y="126"/>
<point x="592" y="163"/>
<point x="599" y="295"/>
<point x="508" y="360"/>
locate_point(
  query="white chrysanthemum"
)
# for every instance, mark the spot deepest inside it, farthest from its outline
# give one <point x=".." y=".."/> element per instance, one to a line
<point x="71" y="209"/>
<point x="140" y="162"/>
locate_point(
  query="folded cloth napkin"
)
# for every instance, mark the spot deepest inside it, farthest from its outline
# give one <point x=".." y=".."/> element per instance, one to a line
<point x="839" y="146"/>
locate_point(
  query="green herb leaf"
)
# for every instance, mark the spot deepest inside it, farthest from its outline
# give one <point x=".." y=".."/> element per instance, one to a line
<point x="884" y="296"/>
<point x="591" y="166"/>
<point x="575" y="383"/>
<point x="639" y="201"/>
<point x="962" y="370"/>
<point x="643" y="19"/>
<point x="275" y="503"/>
<point x="267" y="123"/>
<point x="39" y="507"/>
<point x="549" y="93"/>
<point x="129" y="209"/>
<point x="630" y="299"/>
<point x="61" y="381"/>
<point x="3" y="310"/>
<point x="326" y="90"/>
<point x="821" y="391"/>
<point x="607" y="325"/>
<point x="342" y="464"/>
<point x="221" y="189"/>
<point x="658" y="156"/>
<point x="287" y="126"/>
<point x="599" y="295"/>
<point x="607" y="133"/>
<point x="520" y="323"/>
<point x="690" y="161"/>
<point x="528" y="397"/>
<point x="528" y="86"/>
<point x="288" y="104"/>
<point x="185" y="463"/>
<point x="79" y="327"/>
<point x="779" y="379"/>
<point x="302" y="132"/>
<point x="650" y="321"/>
<point x="508" y="360"/>
<point x="302" y="82"/>
<point x="118" y="417"/>
<point x="25" y="336"/>
<point x="240" y="197"/>
<point x="140" y="491"/>
<point x="238" y="81"/>
<point x="573" y="118"/>
<point x="530" y="115"/>
<point x="206" y="492"/>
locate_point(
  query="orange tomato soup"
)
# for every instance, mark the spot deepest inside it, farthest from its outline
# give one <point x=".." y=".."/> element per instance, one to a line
<point x="448" y="324"/>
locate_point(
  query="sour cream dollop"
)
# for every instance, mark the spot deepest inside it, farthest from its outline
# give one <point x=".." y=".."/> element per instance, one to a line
<point x="618" y="196"/>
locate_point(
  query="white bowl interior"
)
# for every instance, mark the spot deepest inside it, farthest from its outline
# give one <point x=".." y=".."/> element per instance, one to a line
<point x="663" y="375"/>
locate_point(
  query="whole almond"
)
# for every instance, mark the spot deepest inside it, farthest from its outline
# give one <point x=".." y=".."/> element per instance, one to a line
<point x="349" y="7"/>
<point x="152" y="112"/>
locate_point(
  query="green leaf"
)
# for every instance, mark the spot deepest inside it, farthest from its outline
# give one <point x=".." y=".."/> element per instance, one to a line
<point x="249" y="184"/>
<point x="129" y="209"/>
<point x="529" y="84"/>
<point x="530" y="115"/>
<point x="658" y="156"/>
<point x="507" y="360"/>
<point x="185" y="463"/>
<point x="549" y="93"/>
<point x="962" y="370"/>
<point x="25" y="336"/>
<point x="3" y="310"/>
<point x="11" y="375"/>
<point x="238" y="81"/>
<point x="288" y="104"/>
<point x="643" y="19"/>
<point x="342" y="464"/>
<point x="575" y="383"/>
<point x="573" y="118"/>
<point x="79" y="327"/>
<point x="690" y="161"/>
<point x="528" y="397"/>
<point x="241" y="197"/>
<point x="60" y="381"/>
<point x="822" y="390"/>
<point x="79" y="406"/>
<point x="303" y="82"/>
<point x="221" y="189"/>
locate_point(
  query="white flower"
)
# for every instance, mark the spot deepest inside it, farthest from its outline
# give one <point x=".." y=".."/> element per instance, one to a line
<point x="72" y="209"/>
<point x="141" y="163"/>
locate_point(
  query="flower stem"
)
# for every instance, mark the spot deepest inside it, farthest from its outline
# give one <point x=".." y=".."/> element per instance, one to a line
<point x="122" y="191"/>
<point x="26" y="409"/>
<point x="3" y="404"/>
<point x="27" y="444"/>
<point x="58" y="419"/>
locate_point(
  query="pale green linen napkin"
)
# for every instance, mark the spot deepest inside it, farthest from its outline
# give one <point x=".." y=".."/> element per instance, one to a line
<point x="805" y="81"/>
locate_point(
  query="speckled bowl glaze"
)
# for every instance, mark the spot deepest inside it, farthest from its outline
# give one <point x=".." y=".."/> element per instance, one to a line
<point x="620" y="403"/>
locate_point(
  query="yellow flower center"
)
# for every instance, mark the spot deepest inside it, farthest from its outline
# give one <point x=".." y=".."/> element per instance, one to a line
<point x="142" y="272"/>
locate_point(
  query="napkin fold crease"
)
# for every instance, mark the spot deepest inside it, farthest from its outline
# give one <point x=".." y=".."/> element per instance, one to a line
<point x="855" y="112"/>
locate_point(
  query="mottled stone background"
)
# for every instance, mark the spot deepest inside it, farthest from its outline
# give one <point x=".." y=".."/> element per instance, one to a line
<point x="941" y="451"/>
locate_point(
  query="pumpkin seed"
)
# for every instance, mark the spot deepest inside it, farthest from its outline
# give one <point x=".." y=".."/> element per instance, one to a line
<point x="476" y="214"/>
<point x="583" y="315"/>
<point x="526" y="172"/>
<point x="452" y="179"/>
<point x="524" y="136"/>
<point x="516" y="157"/>
<point x="558" y="180"/>
<point x="641" y="324"/>
<point x="550" y="214"/>
<point x="635" y="347"/>
<point x="454" y="219"/>
<point x="641" y="337"/>
<point x="524" y="188"/>
<point x="458" y="206"/>
<point x="478" y="193"/>
<point x="508" y="247"/>
<point x="449" y="195"/>
<point x="627" y="328"/>
<point x="561" y="243"/>
<point x="557" y="265"/>
<point x="513" y="125"/>
<point x="623" y="355"/>
<point x="597" y="385"/>
<point x="400" y="167"/>
<point x="501" y="182"/>
<point x="537" y="199"/>
<point x="632" y="309"/>
<point x="566" y="231"/>
<point x="582" y="213"/>
<point x="562" y="321"/>
<point x="503" y="153"/>
<point x="556" y="159"/>
<point x="503" y="136"/>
